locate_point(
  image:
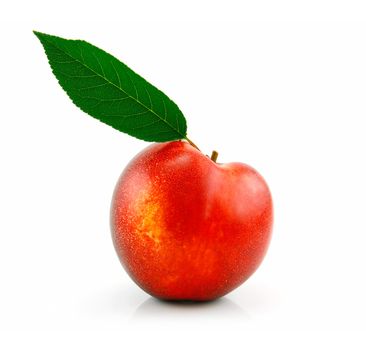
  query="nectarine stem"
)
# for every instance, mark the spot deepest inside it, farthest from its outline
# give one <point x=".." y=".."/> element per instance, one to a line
<point x="214" y="156"/>
<point x="191" y="143"/>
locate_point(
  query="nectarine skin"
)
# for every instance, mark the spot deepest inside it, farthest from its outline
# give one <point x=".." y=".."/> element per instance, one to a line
<point x="186" y="228"/>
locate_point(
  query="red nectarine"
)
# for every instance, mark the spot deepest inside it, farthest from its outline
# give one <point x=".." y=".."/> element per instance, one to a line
<point x="187" y="228"/>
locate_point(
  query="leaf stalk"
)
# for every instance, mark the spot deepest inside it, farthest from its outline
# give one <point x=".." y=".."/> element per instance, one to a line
<point x="192" y="143"/>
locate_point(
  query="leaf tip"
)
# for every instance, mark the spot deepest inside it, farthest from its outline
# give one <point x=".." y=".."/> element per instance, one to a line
<point x="39" y="35"/>
<point x="42" y="36"/>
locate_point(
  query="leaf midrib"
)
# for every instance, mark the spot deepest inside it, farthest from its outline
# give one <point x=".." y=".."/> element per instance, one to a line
<point x="116" y="86"/>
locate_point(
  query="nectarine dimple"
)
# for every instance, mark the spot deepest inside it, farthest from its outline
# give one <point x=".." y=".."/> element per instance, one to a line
<point x="187" y="228"/>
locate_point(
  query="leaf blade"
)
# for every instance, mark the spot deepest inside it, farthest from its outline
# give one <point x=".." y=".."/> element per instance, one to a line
<point x="105" y="88"/>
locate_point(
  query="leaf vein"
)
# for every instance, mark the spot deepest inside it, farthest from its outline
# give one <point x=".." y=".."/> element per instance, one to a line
<point x="91" y="87"/>
<point x="96" y="57"/>
<point x="133" y="84"/>
<point x="177" y="122"/>
<point x="127" y="115"/>
<point x="64" y="62"/>
<point x="149" y="96"/>
<point x="78" y="76"/>
<point x="165" y="113"/>
<point x="118" y="77"/>
<point x="146" y="125"/>
<point x="106" y="99"/>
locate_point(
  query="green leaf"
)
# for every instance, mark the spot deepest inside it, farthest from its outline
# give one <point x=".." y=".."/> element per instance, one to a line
<point x="105" y="88"/>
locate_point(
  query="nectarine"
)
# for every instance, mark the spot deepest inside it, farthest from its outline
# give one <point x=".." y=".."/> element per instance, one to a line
<point x="187" y="228"/>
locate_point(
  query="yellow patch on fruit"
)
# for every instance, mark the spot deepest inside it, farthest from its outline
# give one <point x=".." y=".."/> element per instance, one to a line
<point x="149" y="216"/>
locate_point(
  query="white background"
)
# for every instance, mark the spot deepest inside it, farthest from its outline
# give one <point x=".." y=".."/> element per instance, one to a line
<point x="285" y="95"/>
